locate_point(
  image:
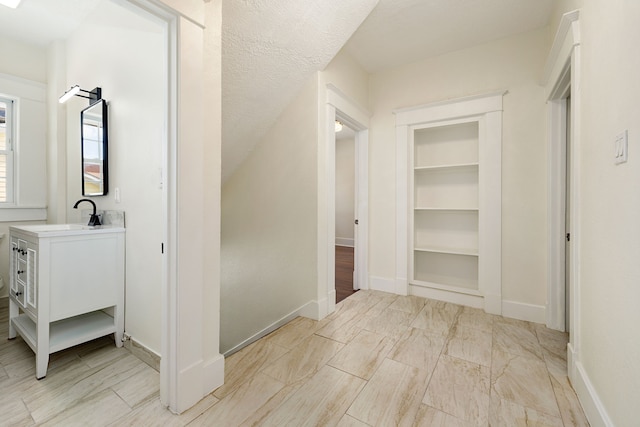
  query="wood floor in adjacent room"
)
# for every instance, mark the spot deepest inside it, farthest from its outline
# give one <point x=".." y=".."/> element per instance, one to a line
<point x="379" y="359"/>
<point x="344" y="272"/>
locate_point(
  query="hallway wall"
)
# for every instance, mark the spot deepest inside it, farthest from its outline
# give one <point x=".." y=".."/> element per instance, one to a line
<point x="269" y="223"/>
<point x="513" y="64"/>
<point x="609" y="348"/>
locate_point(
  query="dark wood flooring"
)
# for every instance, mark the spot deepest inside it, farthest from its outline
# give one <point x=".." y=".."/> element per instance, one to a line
<point x="344" y="272"/>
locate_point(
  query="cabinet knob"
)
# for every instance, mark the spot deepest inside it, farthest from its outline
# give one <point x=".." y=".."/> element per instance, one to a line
<point x="20" y="271"/>
<point x="18" y="294"/>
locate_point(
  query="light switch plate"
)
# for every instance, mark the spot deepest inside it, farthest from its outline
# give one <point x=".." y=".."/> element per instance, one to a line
<point x="621" y="148"/>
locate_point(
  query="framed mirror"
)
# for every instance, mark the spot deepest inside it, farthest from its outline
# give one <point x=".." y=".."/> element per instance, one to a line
<point x="94" y="135"/>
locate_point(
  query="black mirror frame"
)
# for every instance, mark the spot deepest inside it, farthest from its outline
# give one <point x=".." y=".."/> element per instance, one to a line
<point x="105" y="151"/>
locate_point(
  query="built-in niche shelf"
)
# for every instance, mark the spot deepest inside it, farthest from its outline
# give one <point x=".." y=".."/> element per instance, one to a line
<point x="453" y="158"/>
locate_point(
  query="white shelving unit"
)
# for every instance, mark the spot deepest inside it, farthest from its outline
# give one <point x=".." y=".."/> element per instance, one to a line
<point x="445" y="206"/>
<point x="451" y="220"/>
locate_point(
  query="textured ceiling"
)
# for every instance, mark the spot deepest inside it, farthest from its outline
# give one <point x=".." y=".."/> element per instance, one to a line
<point x="402" y="31"/>
<point x="270" y="49"/>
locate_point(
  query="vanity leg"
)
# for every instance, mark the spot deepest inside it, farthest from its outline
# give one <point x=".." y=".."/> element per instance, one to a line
<point x="13" y="312"/>
<point x="42" y="347"/>
<point x="42" y="361"/>
<point x="118" y="318"/>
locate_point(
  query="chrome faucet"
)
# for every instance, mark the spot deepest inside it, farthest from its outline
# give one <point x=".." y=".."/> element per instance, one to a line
<point x="94" y="220"/>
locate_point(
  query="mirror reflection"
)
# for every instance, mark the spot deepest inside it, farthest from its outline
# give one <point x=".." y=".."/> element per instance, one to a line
<point x="94" y="149"/>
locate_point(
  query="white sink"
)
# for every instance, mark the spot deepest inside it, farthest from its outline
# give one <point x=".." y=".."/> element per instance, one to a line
<point x="51" y="230"/>
<point x="56" y="227"/>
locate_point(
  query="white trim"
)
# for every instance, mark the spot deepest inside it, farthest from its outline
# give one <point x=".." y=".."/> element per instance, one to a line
<point x="568" y="57"/>
<point x="344" y="241"/>
<point x="562" y="72"/>
<point x="475" y="301"/>
<point x="383" y="284"/>
<point x="558" y="53"/>
<point x="487" y="111"/>
<point x="21" y="213"/>
<point x="308" y="310"/>
<point x="591" y="404"/>
<point x="338" y="105"/>
<point x="213" y="372"/>
<point x="450" y="109"/>
<point x="522" y="311"/>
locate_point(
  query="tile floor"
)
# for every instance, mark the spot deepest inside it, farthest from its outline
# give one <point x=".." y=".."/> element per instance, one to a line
<point x="380" y="359"/>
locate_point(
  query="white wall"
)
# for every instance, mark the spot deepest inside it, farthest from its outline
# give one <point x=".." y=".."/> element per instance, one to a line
<point x="123" y="53"/>
<point x="512" y="64"/>
<point x="345" y="190"/>
<point x="609" y="346"/>
<point x="22" y="73"/>
<point x="269" y="225"/>
<point x="23" y="60"/>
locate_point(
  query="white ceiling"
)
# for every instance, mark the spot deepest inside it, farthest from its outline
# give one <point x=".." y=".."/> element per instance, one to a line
<point x="403" y="31"/>
<point x="270" y="48"/>
<point x="39" y="22"/>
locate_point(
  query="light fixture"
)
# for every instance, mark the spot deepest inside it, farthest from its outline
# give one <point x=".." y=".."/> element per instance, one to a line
<point x="338" y="126"/>
<point x="94" y="95"/>
<point x="10" y="3"/>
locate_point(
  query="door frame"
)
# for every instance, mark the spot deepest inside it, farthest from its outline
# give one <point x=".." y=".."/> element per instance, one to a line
<point x="562" y="73"/>
<point x="340" y="107"/>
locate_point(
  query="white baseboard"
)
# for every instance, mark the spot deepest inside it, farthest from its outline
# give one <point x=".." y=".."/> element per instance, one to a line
<point x="189" y="387"/>
<point x="310" y="309"/>
<point x="589" y="399"/>
<point x="315" y="310"/>
<point x="523" y="311"/>
<point x="345" y="241"/>
<point x="447" y="296"/>
<point x="382" y="284"/>
<point x="213" y="374"/>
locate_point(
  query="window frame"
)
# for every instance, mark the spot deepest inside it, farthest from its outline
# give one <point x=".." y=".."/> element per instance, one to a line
<point x="11" y="130"/>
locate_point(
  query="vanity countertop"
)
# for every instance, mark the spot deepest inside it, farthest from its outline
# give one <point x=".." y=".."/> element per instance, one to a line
<point x="55" y="230"/>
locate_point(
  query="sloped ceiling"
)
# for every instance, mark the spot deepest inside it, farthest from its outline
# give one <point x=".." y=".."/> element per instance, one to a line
<point x="270" y="49"/>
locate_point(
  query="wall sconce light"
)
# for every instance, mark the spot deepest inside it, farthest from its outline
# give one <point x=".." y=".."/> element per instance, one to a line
<point x="338" y="126"/>
<point x="94" y="95"/>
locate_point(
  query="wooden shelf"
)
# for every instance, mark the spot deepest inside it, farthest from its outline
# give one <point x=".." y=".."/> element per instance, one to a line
<point x="68" y="332"/>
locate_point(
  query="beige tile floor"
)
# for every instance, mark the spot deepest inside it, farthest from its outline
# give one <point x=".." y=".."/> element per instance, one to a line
<point x="379" y="360"/>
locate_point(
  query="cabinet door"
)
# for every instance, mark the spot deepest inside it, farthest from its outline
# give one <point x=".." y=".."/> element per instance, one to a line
<point x="32" y="277"/>
<point x="14" y="265"/>
<point x="18" y="270"/>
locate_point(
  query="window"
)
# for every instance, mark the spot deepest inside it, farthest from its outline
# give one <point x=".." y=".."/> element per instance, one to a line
<point x="6" y="149"/>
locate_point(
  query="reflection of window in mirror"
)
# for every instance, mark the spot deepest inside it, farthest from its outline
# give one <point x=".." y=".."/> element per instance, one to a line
<point x="92" y="156"/>
<point x="6" y="149"/>
<point x="95" y="177"/>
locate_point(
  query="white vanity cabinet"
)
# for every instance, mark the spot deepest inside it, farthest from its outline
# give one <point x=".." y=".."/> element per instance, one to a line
<point x="66" y="286"/>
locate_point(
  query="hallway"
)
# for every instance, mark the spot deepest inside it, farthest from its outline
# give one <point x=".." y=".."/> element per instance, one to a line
<point x="379" y="359"/>
<point x="383" y="359"/>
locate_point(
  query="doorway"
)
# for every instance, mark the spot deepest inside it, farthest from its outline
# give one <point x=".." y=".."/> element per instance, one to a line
<point x="567" y="214"/>
<point x="340" y="107"/>
<point x="345" y="207"/>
